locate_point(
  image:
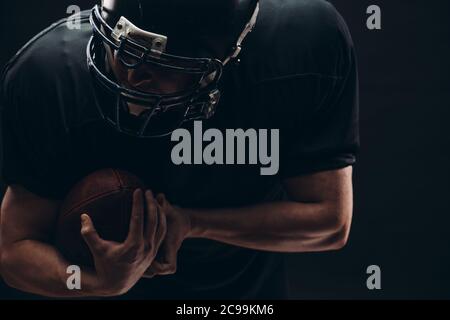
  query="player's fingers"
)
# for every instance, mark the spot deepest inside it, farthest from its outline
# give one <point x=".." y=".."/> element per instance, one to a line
<point x="155" y="269"/>
<point x="164" y="269"/>
<point x="162" y="229"/>
<point x="150" y="273"/>
<point x="90" y="235"/>
<point x="160" y="198"/>
<point x="152" y="220"/>
<point x="172" y="256"/>
<point x="136" y="231"/>
<point x="167" y="264"/>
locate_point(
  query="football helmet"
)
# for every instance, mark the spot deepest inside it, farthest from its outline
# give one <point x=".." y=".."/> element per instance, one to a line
<point x="196" y="38"/>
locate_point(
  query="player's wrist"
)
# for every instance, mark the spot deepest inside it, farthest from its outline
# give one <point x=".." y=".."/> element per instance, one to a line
<point x="90" y="286"/>
<point x="93" y="286"/>
<point x="104" y="289"/>
<point x="195" y="225"/>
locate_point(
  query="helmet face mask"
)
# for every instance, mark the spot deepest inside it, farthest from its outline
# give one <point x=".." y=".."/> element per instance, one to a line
<point x="136" y="49"/>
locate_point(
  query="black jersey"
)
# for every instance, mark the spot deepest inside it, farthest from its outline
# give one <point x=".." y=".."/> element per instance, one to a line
<point x="297" y="74"/>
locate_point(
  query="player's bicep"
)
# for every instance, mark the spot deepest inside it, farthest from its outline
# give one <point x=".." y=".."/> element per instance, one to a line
<point x="26" y="216"/>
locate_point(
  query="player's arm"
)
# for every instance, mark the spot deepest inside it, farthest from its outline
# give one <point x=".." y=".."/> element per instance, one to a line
<point x="317" y="217"/>
<point x="30" y="263"/>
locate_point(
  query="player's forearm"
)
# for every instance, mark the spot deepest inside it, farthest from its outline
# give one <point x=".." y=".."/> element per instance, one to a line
<point x="280" y="226"/>
<point x="38" y="268"/>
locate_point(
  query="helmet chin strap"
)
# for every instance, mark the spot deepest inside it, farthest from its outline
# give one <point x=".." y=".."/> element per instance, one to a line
<point x="248" y="28"/>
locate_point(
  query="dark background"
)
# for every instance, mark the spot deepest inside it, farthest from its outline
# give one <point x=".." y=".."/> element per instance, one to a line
<point x="402" y="185"/>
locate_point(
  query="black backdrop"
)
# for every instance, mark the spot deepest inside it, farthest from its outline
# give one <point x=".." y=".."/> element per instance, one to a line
<point x="402" y="185"/>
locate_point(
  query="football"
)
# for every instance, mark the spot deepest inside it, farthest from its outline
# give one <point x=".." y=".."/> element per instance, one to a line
<point x="107" y="197"/>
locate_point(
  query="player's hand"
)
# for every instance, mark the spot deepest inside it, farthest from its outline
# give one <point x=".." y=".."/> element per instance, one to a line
<point x="178" y="229"/>
<point x="118" y="266"/>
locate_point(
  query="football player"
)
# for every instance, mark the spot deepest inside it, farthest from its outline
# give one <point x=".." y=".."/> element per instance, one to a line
<point x="110" y="94"/>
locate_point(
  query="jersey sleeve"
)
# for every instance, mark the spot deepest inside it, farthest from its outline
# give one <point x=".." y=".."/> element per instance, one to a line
<point x="324" y="135"/>
<point x="32" y="141"/>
